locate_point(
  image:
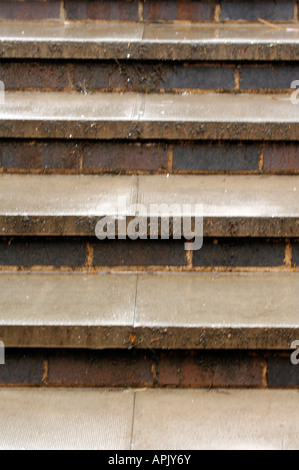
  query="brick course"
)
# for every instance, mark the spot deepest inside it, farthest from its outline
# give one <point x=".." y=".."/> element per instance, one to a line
<point x="121" y="10"/>
<point x="30" y="10"/>
<point x="139" y="253"/>
<point x="216" y="157"/>
<point x="240" y="252"/>
<point x="175" y="369"/>
<point x="252" y="10"/>
<point x="27" y="252"/>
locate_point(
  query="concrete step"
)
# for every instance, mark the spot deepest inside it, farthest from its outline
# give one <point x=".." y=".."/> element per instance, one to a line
<point x="157" y="311"/>
<point x="148" y="420"/>
<point x="138" y="41"/>
<point x="246" y="206"/>
<point x="149" y="58"/>
<point x="135" y="116"/>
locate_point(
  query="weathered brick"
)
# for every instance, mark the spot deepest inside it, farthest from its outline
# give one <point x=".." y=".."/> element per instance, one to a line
<point x="125" y="157"/>
<point x="20" y="155"/>
<point x="33" y="155"/>
<point x="61" y="155"/>
<point x="197" y="77"/>
<point x="206" y="369"/>
<point x="122" y="10"/>
<point x="22" y="75"/>
<point x="27" y="252"/>
<point x="281" y="371"/>
<point x="240" y="252"/>
<point x="268" y="77"/>
<point x="139" y="253"/>
<point x="30" y="10"/>
<point x="100" y="75"/>
<point x="91" y="75"/>
<point x="281" y="157"/>
<point x="295" y="254"/>
<point x="101" y="369"/>
<point x="252" y="10"/>
<point x="22" y="367"/>
<point x="184" y="369"/>
<point x="216" y="157"/>
<point x="155" y="76"/>
<point x="170" y="10"/>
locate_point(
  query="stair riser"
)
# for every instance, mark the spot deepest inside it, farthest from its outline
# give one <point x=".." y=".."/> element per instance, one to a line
<point x="150" y="10"/>
<point x="175" y="369"/>
<point x="83" y="254"/>
<point x="119" y="157"/>
<point x="147" y="76"/>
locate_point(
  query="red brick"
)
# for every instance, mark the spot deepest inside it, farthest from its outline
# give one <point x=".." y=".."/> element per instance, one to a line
<point x="101" y="369"/>
<point x="22" y="367"/>
<point x="209" y="369"/>
<point x="30" y="10"/>
<point x="122" y="10"/>
<point x="283" y="157"/>
<point x="171" y="10"/>
<point x="32" y="155"/>
<point x="117" y="157"/>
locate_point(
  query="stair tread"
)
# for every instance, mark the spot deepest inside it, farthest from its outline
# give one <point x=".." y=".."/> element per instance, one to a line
<point x="139" y="116"/>
<point x="149" y="41"/>
<point x="72" y="204"/>
<point x="162" y="310"/>
<point x="160" y="419"/>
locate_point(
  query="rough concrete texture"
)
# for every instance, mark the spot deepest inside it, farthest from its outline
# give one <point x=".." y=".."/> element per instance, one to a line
<point x="149" y="41"/>
<point x="172" y="311"/>
<point x="247" y="206"/>
<point x="144" y="420"/>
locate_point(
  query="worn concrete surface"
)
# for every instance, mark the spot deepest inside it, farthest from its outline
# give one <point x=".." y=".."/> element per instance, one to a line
<point x="145" y="420"/>
<point x="256" y="206"/>
<point x="149" y="41"/>
<point x="172" y="311"/>
<point x="65" y="419"/>
<point x="138" y="116"/>
<point x="224" y="420"/>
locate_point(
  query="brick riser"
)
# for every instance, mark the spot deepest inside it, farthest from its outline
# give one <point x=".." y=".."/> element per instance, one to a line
<point x="120" y="157"/>
<point x="152" y="369"/>
<point x="147" y="76"/>
<point x="81" y="254"/>
<point x="150" y="10"/>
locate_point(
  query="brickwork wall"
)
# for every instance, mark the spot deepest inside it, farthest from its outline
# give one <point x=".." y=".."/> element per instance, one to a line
<point x="174" y="369"/>
<point x="118" y="157"/>
<point x="90" y="254"/>
<point x="150" y="10"/>
<point x="147" y="76"/>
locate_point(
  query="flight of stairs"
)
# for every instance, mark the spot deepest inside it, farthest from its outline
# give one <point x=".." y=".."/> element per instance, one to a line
<point x="174" y="102"/>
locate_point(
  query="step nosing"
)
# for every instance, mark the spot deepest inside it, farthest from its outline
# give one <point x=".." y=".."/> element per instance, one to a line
<point x="201" y="311"/>
<point x="138" y="116"/>
<point x="74" y="205"/>
<point x="149" y="41"/>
